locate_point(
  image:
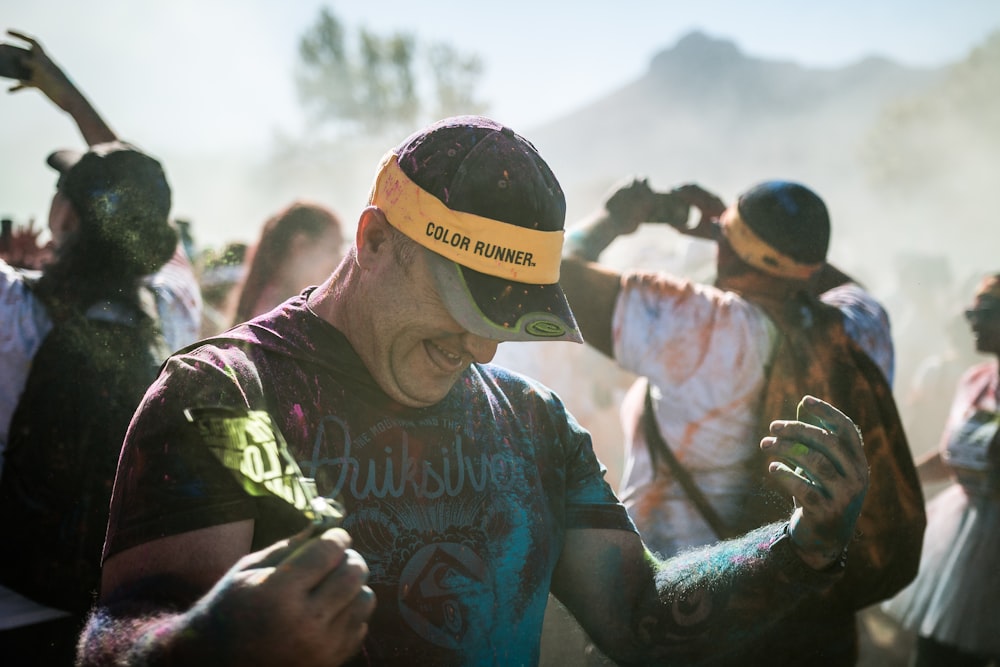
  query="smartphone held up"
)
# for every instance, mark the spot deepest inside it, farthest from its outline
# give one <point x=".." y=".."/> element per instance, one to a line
<point x="12" y="62"/>
<point x="671" y="208"/>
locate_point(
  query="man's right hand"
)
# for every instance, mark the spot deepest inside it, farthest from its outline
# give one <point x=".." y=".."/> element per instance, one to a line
<point x="709" y="206"/>
<point x="302" y="601"/>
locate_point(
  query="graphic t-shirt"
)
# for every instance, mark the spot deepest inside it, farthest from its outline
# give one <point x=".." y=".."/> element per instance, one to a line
<point x="460" y="509"/>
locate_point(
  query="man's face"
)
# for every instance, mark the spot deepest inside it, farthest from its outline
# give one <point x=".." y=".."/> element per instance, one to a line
<point x="63" y="220"/>
<point x="416" y="351"/>
<point x="984" y="320"/>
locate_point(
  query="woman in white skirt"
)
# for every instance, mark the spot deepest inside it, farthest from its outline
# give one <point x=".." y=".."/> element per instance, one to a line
<point x="953" y="604"/>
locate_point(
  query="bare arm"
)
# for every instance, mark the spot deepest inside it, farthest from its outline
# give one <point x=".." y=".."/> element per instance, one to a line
<point x="641" y="611"/>
<point x="200" y="598"/>
<point x="50" y="79"/>
<point x="828" y="277"/>
<point x="592" y="289"/>
<point x="199" y="557"/>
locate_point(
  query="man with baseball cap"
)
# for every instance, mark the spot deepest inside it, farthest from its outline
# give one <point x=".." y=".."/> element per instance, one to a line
<point x="718" y="362"/>
<point x="466" y="492"/>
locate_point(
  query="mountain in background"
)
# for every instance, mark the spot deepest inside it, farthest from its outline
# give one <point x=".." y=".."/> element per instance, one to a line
<point x="904" y="157"/>
<point x="707" y="112"/>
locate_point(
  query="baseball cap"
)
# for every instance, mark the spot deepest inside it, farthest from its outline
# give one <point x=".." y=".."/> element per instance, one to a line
<point x="122" y="198"/>
<point x="490" y="213"/>
<point x="779" y="227"/>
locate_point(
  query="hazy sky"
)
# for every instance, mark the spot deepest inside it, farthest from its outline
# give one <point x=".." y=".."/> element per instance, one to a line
<point x="204" y="76"/>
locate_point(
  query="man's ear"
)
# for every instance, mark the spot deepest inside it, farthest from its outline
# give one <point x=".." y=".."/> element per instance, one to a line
<point x="373" y="233"/>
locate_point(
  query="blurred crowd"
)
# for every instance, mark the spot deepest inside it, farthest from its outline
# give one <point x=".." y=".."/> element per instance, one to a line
<point x="679" y="361"/>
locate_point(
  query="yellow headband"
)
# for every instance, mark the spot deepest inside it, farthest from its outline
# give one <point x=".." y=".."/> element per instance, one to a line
<point x="757" y="253"/>
<point x="489" y="246"/>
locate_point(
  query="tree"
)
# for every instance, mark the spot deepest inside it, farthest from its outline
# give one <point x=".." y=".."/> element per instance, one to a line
<point x="376" y="87"/>
<point x="455" y="77"/>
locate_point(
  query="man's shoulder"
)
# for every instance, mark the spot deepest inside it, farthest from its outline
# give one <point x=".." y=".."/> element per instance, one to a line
<point x="698" y="300"/>
<point x="851" y="298"/>
<point x="278" y="346"/>
<point x="283" y="330"/>
<point x="521" y="391"/>
<point x="507" y="379"/>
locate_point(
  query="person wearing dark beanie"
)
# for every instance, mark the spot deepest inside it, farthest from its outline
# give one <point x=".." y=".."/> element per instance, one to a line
<point x="81" y="340"/>
<point x="716" y="362"/>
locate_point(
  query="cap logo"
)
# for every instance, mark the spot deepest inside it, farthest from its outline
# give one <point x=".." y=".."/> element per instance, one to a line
<point x="482" y="244"/>
<point x="545" y="329"/>
<point x="756" y="252"/>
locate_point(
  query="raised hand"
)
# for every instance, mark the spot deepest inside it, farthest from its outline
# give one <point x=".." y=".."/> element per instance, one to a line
<point x="44" y="74"/>
<point x="24" y="250"/>
<point x="709" y="206"/>
<point x="50" y="79"/>
<point x="819" y="459"/>
<point x="632" y="204"/>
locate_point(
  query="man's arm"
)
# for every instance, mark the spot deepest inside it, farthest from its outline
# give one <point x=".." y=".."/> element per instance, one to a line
<point x="49" y="78"/>
<point x="199" y="598"/>
<point x="641" y="611"/>
<point x="592" y="289"/>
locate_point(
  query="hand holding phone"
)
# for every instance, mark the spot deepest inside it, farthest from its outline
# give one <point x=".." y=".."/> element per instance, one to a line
<point x="671" y="209"/>
<point x="12" y="62"/>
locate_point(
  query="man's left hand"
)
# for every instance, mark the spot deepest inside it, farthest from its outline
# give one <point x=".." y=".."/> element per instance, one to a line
<point x="819" y="459"/>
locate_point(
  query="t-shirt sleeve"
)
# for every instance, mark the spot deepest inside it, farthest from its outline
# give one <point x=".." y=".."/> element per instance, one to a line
<point x="670" y="329"/>
<point x="590" y="500"/>
<point x="167" y="481"/>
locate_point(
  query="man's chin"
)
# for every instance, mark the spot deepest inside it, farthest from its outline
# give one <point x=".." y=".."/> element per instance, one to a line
<point x="423" y="396"/>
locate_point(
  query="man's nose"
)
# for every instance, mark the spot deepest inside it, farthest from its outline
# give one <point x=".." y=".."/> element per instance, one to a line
<point x="482" y="350"/>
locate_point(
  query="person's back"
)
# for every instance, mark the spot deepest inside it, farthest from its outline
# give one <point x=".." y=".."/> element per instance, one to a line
<point x="704" y="349"/>
<point x="99" y="346"/>
<point x="716" y="359"/>
<point x="85" y="382"/>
